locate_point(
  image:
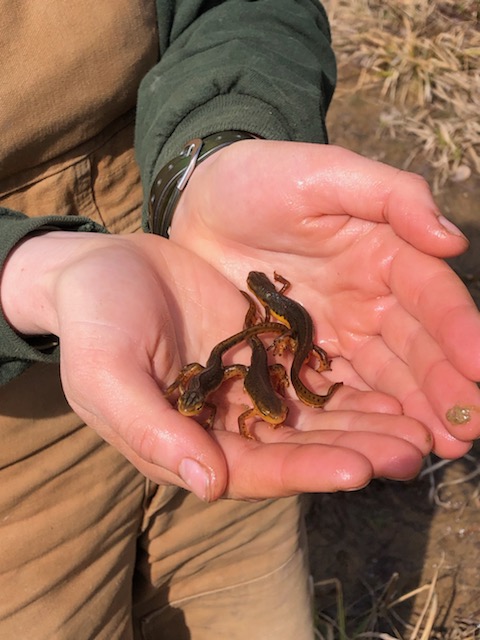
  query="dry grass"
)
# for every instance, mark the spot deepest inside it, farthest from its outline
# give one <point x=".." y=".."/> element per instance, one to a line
<point x="423" y="58"/>
<point x="381" y="614"/>
<point x="383" y="608"/>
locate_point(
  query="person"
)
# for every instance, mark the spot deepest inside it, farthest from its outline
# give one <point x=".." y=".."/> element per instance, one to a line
<point x="120" y="517"/>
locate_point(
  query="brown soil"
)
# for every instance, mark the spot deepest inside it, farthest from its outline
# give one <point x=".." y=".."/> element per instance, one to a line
<point x="380" y="543"/>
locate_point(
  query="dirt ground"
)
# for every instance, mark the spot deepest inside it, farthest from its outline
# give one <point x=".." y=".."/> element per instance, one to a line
<point x="371" y="547"/>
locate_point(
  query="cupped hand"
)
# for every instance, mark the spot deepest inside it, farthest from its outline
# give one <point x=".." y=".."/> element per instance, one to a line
<point x="130" y="311"/>
<point x="361" y="244"/>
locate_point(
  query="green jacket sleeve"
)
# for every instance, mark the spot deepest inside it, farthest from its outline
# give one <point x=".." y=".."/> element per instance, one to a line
<point x="266" y="67"/>
<point x="16" y="353"/>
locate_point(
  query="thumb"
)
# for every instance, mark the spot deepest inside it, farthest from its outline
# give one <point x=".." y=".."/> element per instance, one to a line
<point x="126" y="407"/>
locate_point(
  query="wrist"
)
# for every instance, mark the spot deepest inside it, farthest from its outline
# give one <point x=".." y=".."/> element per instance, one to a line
<point x="28" y="281"/>
<point x="172" y="179"/>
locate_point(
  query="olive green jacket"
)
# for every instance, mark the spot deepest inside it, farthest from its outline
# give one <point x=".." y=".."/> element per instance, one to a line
<point x="266" y="67"/>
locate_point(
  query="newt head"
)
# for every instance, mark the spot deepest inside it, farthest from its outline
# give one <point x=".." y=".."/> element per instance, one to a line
<point x="275" y="414"/>
<point x="191" y="402"/>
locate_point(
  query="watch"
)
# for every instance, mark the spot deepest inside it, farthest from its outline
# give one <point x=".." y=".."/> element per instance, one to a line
<point x="172" y="179"/>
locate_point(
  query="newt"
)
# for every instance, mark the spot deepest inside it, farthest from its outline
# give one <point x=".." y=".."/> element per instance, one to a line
<point x="262" y="382"/>
<point x="196" y="382"/>
<point x="300" y="337"/>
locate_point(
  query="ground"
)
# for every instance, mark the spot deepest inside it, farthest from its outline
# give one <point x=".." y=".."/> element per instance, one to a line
<point x="370" y="548"/>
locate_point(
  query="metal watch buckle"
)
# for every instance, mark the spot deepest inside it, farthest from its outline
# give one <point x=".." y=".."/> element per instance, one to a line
<point x="192" y="149"/>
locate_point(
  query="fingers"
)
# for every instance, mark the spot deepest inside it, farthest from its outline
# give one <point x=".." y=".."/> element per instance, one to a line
<point x="311" y="180"/>
<point x="288" y="461"/>
<point x="385" y="371"/>
<point x="328" y="450"/>
<point x="440" y="302"/>
<point x="351" y="184"/>
<point x="345" y="454"/>
<point x="348" y="419"/>
<point x="435" y="330"/>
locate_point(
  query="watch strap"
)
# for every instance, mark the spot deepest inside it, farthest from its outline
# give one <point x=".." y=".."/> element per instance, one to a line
<point x="172" y="179"/>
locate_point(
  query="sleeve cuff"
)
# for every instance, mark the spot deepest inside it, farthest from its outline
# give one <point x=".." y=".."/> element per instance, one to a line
<point x="18" y="352"/>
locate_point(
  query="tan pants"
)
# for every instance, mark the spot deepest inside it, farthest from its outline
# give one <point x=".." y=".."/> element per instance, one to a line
<point x="88" y="547"/>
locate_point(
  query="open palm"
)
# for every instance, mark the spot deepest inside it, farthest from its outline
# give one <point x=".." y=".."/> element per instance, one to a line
<point x="362" y="245"/>
<point x="124" y="337"/>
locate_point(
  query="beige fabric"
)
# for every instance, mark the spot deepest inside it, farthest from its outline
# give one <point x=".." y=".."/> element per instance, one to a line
<point x="68" y="69"/>
<point x="88" y="548"/>
<point x="99" y="179"/>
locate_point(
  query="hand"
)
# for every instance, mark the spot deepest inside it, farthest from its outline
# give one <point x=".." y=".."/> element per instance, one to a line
<point x="130" y="310"/>
<point x="357" y="240"/>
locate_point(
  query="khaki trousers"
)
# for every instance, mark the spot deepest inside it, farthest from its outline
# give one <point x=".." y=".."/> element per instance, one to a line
<point x="88" y="547"/>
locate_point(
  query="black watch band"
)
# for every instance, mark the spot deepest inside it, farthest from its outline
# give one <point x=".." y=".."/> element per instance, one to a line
<point x="173" y="177"/>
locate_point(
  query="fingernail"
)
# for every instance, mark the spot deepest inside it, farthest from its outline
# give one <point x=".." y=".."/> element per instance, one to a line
<point x="450" y="227"/>
<point x="197" y="477"/>
<point x="359" y="488"/>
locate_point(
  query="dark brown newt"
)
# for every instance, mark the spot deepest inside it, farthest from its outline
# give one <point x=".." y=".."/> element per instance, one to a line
<point x="196" y="382"/>
<point x="262" y="382"/>
<point x="300" y="337"/>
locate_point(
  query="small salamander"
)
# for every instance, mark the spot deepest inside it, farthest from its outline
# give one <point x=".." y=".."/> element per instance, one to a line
<point x="300" y="338"/>
<point x="262" y="382"/>
<point x="196" y="382"/>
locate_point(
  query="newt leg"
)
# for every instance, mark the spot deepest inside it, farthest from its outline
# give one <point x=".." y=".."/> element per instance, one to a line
<point x="323" y="361"/>
<point x="279" y="378"/>
<point x="251" y="315"/>
<point x="242" y="418"/>
<point x="249" y="413"/>
<point x="186" y="372"/>
<point x="282" y="344"/>
<point x="208" y="424"/>
<point x="283" y="281"/>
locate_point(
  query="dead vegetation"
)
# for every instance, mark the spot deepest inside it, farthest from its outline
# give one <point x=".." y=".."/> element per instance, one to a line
<point x="384" y="609"/>
<point x="400" y="560"/>
<point x="384" y="604"/>
<point x="423" y="58"/>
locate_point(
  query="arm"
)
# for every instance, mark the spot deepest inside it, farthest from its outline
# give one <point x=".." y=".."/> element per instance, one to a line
<point x="266" y="67"/>
<point x="16" y="351"/>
